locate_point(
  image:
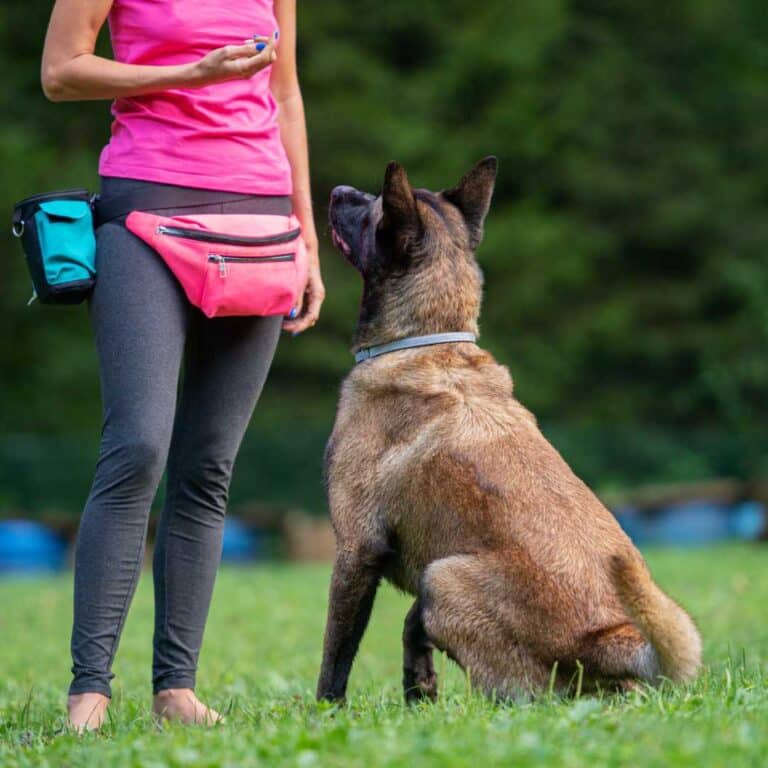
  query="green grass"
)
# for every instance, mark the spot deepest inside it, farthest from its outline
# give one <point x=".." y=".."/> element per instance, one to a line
<point x="260" y="661"/>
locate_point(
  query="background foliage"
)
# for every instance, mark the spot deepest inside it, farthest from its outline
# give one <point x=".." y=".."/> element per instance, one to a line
<point x="625" y="256"/>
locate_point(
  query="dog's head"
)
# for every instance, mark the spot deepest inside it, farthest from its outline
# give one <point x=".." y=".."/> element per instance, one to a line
<point x="415" y="251"/>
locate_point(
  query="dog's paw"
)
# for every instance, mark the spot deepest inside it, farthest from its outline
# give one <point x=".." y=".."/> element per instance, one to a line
<point x="419" y="689"/>
<point x="331" y="697"/>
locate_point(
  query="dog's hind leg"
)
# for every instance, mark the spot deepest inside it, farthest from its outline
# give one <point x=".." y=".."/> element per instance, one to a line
<point x="419" y="678"/>
<point x="469" y="611"/>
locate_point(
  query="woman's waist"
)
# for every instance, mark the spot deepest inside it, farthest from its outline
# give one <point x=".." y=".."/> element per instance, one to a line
<point x="253" y="164"/>
<point x="152" y="195"/>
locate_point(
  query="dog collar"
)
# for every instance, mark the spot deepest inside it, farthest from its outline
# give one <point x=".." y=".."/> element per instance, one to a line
<point x="413" y="341"/>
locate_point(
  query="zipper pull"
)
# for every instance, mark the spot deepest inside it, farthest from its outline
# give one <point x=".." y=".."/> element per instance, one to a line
<point x="221" y="261"/>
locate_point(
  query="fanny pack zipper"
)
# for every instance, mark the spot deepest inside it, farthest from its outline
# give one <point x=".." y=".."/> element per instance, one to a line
<point x="219" y="237"/>
<point x="222" y="260"/>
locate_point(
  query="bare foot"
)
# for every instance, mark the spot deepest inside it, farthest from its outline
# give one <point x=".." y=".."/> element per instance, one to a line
<point x="182" y="705"/>
<point x="87" y="711"/>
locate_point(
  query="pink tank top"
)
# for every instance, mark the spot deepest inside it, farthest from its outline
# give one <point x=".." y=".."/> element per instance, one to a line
<point x="223" y="136"/>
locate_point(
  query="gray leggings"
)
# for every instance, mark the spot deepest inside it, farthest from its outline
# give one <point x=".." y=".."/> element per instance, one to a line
<point x="146" y="332"/>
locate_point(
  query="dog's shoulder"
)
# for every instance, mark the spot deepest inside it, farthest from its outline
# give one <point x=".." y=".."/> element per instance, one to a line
<point x="454" y="390"/>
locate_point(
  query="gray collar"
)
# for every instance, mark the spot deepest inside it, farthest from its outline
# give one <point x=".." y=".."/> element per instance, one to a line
<point x="413" y="341"/>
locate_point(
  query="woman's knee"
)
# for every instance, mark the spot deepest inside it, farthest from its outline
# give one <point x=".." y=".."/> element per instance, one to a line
<point x="146" y="456"/>
<point x="135" y="460"/>
<point x="201" y="482"/>
<point x="128" y="474"/>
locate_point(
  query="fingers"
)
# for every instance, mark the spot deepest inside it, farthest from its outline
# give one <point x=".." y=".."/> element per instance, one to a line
<point x="258" y="42"/>
<point x="314" y="301"/>
<point x="248" y="48"/>
<point x="292" y="319"/>
<point x="235" y="61"/>
<point x="246" y="66"/>
<point x="289" y="324"/>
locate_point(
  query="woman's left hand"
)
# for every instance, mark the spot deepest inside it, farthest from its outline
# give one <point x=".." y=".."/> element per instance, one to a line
<point x="314" y="295"/>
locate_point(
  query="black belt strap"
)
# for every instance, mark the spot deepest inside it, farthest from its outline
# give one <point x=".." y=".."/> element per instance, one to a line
<point x="160" y="198"/>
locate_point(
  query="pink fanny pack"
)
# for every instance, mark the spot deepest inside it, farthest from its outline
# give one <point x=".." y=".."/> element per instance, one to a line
<point x="230" y="264"/>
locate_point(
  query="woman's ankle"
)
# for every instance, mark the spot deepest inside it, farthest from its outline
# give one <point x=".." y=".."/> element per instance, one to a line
<point x="182" y="705"/>
<point x="86" y="711"/>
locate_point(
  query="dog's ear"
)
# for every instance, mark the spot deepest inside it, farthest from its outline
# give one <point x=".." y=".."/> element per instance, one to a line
<point x="398" y="201"/>
<point x="472" y="196"/>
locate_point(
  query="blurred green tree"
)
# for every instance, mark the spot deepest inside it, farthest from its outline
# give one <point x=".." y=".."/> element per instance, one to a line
<point x="625" y="254"/>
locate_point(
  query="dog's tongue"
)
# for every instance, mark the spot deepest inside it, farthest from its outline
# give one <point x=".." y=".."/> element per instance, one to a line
<point x="340" y="243"/>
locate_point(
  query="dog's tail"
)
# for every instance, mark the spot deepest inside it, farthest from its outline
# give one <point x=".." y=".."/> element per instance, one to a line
<point x="669" y="629"/>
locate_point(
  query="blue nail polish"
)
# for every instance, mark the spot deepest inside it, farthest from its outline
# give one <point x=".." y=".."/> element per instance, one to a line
<point x="293" y="313"/>
<point x="260" y="47"/>
<point x="277" y="34"/>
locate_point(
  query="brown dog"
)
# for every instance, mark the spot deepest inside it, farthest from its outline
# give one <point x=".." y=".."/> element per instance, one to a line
<point x="440" y="481"/>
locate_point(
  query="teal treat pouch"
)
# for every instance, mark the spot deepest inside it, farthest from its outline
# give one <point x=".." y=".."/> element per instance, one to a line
<point x="57" y="235"/>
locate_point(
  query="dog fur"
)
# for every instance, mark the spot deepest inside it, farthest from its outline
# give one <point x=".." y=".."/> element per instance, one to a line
<point x="440" y="481"/>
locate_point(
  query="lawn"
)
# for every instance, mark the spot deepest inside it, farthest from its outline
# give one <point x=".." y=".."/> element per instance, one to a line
<point x="261" y="657"/>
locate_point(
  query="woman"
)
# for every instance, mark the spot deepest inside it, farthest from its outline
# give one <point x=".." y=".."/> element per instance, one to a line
<point x="206" y="104"/>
